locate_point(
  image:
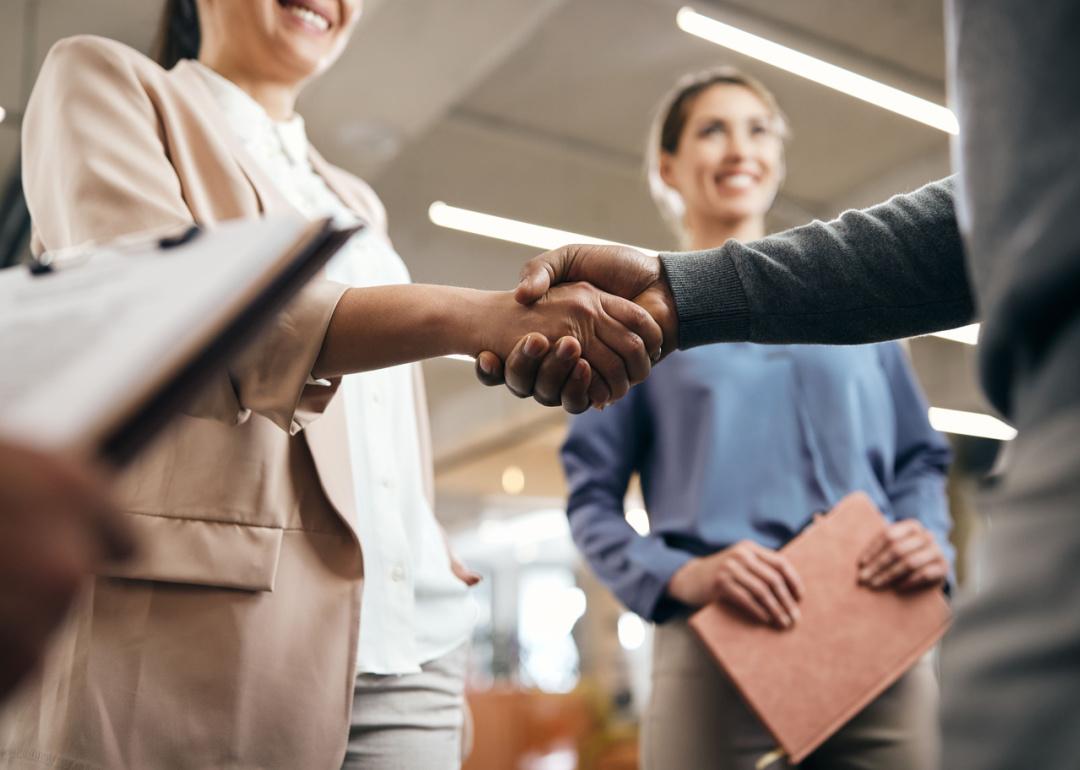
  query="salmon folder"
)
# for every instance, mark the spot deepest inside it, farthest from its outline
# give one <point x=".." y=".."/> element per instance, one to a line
<point x="849" y="646"/>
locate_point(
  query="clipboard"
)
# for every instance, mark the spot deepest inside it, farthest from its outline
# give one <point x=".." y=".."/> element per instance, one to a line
<point x="101" y="345"/>
<point x="849" y="646"/>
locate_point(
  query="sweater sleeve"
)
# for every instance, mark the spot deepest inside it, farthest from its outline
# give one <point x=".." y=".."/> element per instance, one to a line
<point x="893" y="270"/>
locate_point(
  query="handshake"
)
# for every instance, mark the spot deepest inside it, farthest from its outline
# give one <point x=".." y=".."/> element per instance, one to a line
<point x="598" y="318"/>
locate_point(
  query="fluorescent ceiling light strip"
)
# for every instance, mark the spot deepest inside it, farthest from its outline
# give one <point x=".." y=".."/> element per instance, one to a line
<point x="970" y="424"/>
<point x="512" y="230"/>
<point x="969" y="335"/>
<point x="804" y="65"/>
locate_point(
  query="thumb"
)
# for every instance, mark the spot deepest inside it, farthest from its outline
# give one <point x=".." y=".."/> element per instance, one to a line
<point x="541" y="273"/>
<point x="464" y="574"/>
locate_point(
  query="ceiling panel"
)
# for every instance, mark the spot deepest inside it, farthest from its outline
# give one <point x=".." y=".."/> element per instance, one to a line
<point x="905" y="35"/>
<point x="595" y="72"/>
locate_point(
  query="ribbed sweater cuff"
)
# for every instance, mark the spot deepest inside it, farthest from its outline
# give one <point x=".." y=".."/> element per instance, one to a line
<point x="709" y="297"/>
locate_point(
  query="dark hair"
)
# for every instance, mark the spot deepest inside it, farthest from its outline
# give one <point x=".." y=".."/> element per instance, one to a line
<point x="178" y="33"/>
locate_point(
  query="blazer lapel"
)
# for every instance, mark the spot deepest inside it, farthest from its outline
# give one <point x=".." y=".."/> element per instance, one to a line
<point x="326" y="437"/>
<point x="270" y="199"/>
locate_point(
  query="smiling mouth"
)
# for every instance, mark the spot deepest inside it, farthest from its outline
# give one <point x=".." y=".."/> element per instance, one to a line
<point x="736" y="181"/>
<point x="310" y="16"/>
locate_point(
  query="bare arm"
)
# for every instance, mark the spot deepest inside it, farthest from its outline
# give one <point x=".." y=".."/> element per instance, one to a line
<point x="384" y="326"/>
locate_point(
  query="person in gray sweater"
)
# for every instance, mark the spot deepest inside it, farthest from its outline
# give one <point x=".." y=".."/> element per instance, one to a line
<point x="999" y="241"/>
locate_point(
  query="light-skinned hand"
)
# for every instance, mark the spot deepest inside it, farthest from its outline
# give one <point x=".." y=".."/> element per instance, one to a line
<point x="755" y="579"/>
<point x="904" y="557"/>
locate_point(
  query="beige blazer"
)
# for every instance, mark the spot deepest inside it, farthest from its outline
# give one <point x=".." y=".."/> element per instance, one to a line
<point x="231" y="641"/>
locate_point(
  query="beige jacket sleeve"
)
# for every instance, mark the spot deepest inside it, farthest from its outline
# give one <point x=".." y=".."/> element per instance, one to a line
<point x="97" y="165"/>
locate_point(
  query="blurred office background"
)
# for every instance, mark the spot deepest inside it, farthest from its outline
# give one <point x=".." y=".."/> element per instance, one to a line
<point x="536" y="111"/>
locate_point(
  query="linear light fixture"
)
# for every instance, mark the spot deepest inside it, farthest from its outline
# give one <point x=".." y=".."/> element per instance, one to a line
<point x="526" y="234"/>
<point x="970" y="424"/>
<point x="812" y="68"/>
<point x="512" y="230"/>
<point x="3" y="114"/>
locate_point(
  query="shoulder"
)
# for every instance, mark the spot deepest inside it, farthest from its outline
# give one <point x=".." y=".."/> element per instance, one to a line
<point x="892" y="354"/>
<point x="88" y="74"/>
<point x="90" y="53"/>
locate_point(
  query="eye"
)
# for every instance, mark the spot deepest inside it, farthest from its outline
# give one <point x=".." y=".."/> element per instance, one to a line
<point x="710" y="129"/>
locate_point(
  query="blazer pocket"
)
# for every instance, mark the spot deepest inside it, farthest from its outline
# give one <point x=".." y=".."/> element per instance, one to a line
<point x="205" y="553"/>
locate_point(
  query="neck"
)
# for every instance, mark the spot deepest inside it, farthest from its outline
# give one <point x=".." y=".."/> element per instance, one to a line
<point x="709" y="233"/>
<point x="277" y="98"/>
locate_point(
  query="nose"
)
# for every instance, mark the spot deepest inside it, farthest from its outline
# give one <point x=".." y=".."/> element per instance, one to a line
<point x="738" y="146"/>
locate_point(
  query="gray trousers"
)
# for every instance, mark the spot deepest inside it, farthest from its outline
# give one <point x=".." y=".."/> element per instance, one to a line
<point x="409" y="722"/>
<point x="696" y="719"/>
<point x="1011" y="665"/>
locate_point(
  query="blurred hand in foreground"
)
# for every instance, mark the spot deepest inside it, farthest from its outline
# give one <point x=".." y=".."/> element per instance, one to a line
<point x="56" y="526"/>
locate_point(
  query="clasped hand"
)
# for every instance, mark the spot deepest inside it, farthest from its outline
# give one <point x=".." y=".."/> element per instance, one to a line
<point x="632" y="324"/>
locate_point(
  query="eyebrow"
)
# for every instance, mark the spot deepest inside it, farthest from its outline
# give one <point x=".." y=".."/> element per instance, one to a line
<point x="763" y="118"/>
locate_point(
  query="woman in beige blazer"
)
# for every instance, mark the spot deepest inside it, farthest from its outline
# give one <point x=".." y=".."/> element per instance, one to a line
<point x="230" y="642"/>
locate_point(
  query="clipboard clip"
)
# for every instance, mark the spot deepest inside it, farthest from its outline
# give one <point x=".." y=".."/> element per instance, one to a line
<point x="172" y="241"/>
<point x="60" y="259"/>
<point x="50" y="261"/>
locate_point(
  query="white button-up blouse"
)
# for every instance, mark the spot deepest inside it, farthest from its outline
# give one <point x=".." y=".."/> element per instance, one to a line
<point x="414" y="610"/>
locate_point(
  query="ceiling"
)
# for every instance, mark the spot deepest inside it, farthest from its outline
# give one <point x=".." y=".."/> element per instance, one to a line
<point x="537" y="110"/>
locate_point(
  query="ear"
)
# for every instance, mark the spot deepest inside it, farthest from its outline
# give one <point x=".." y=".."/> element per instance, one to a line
<point x="667" y="170"/>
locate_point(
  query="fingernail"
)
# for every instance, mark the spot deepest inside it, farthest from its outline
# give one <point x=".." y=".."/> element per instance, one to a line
<point x="533" y="347"/>
<point x="484" y="364"/>
<point x="564" y="350"/>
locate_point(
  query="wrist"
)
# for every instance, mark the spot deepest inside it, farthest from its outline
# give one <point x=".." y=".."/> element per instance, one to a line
<point x="667" y="316"/>
<point x="466" y="320"/>
<point x="682" y="585"/>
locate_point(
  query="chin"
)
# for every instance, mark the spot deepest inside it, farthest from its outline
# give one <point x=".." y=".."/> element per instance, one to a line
<point x="300" y="58"/>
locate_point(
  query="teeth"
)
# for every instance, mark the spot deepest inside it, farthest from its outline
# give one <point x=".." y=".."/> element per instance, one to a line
<point x="306" y="14"/>
<point x="738" y="181"/>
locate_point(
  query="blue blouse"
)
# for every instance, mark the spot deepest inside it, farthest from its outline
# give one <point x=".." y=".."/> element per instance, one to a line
<point x="744" y="441"/>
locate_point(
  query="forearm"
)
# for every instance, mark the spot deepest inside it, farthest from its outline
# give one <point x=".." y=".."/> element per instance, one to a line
<point x="382" y="326"/>
<point x="636" y="568"/>
<point x="892" y="270"/>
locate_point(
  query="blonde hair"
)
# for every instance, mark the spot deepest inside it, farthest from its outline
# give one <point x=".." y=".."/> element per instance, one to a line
<point x="670" y="120"/>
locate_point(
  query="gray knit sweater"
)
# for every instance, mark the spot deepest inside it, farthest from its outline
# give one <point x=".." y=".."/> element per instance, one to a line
<point x="899" y="268"/>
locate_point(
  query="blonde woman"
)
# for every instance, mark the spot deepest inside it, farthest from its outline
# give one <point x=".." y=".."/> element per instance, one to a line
<point x="738" y="446"/>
